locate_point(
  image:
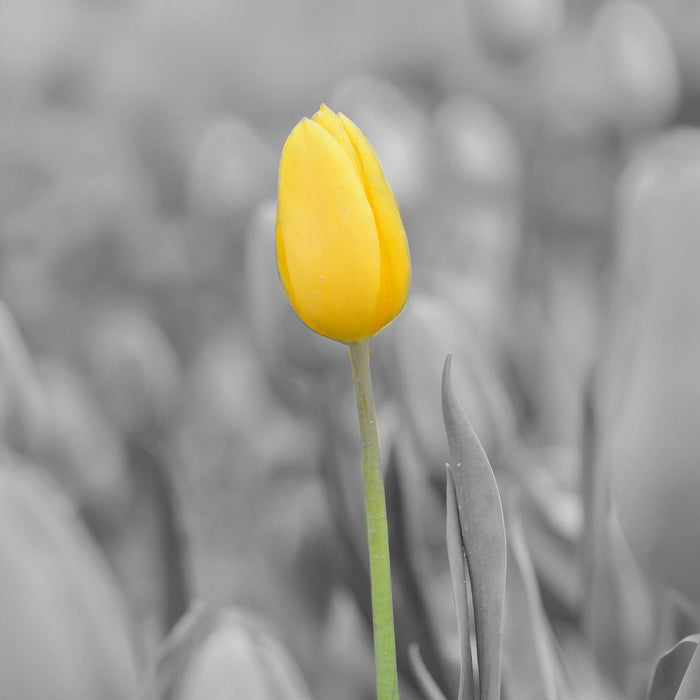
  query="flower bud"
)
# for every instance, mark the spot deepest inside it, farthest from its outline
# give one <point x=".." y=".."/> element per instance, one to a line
<point x="280" y="339"/>
<point x="65" y="633"/>
<point x="342" y="252"/>
<point x="396" y="128"/>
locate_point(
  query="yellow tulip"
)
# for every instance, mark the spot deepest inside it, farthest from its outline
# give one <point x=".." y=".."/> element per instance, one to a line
<point x="342" y="252"/>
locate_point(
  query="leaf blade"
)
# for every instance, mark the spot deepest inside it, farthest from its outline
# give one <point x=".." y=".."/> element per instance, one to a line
<point x="483" y="535"/>
<point x="460" y="582"/>
<point x="671" y="669"/>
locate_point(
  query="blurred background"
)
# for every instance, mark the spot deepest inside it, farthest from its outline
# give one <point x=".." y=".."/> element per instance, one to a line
<point x="172" y="436"/>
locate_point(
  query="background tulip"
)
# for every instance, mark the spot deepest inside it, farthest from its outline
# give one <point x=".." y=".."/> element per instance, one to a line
<point x="342" y="252"/>
<point x="634" y="66"/>
<point x="222" y="654"/>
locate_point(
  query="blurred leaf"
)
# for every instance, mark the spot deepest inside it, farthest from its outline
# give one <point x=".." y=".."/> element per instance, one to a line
<point x="409" y="601"/>
<point x="530" y="659"/>
<point x="23" y="419"/>
<point x="65" y="630"/>
<point x="134" y="368"/>
<point x="84" y="450"/>
<point x="550" y="508"/>
<point x="166" y="547"/>
<point x="430" y="327"/>
<point x="190" y="631"/>
<point x="676" y="674"/>
<point x="653" y="410"/>
<point x="483" y="536"/>
<point x="460" y="588"/>
<point x="425" y="680"/>
<point x="625" y="623"/>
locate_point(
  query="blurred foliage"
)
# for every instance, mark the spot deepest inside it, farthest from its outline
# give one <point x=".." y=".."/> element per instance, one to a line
<point x="154" y="383"/>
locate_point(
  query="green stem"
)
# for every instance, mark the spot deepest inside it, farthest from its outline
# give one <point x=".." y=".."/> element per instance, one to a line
<point x="376" y="525"/>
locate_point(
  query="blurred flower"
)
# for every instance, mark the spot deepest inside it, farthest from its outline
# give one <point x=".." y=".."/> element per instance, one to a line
<point x="54" y="48"/>
<point x="635" y="66"/>
<point x="233" y="170"/>
<point x="652" y="389"/>
<point x="232" y="440"/>
<point x="66" y="238"/>
<point x="574" y="158"/>
<point x="222" y="655"/>
<point x="342" y="252"/>
<point x="682" y="21"/>
<point x="83" y="451"/>
<point x="134" y="369"/>
<point x="513" y="29"/>
<point x="60" y="609"/>
<point x="478" y="146"/>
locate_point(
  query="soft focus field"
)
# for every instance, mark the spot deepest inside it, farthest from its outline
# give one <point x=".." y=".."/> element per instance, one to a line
<point x="172" y="438"/>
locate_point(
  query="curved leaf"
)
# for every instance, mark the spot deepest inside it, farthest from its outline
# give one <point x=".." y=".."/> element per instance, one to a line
<point x="425" y="681"/>
<point x="460" y="586"/>
<point x="671" y="672"/>
<point x="483" y="535"/>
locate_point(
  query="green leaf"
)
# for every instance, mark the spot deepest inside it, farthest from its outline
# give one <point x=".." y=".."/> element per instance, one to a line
<point x="483" y="535"/>
<point x="676" y="676"/>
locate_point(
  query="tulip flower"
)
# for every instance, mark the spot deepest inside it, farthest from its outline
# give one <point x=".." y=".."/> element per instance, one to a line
<point x="342" y="252"/>
<point x="344" y="266"/>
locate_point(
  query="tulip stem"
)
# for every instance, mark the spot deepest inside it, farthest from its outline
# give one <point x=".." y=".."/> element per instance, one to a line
<point x="376" y="526"/>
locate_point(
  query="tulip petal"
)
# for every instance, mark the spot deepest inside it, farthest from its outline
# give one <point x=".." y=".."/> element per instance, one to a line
<point x="395" y="276"/>
<point x="331" y="122"/>
<point x="327" y="245"/>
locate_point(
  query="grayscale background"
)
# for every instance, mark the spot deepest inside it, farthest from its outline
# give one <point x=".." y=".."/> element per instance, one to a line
<point x="173" y="439"/>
